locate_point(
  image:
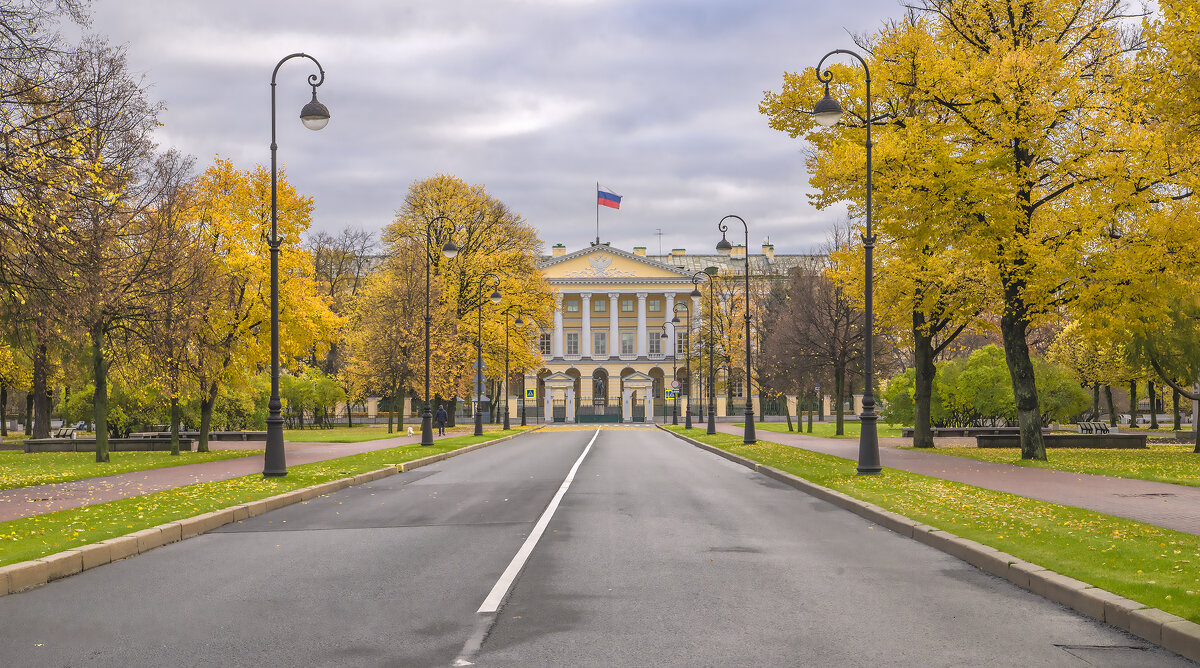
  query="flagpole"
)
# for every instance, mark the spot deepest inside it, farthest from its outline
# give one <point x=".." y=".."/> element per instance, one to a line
<point x="597" y="213"/>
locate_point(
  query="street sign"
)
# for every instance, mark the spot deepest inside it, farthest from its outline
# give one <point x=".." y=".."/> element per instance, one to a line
<point x="675" y="384"/>
<point x="530" y="393"/>
<point x="670" y="394"/>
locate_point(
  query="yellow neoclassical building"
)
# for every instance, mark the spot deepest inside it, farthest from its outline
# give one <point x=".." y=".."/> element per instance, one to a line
<point x="604" y="358"/>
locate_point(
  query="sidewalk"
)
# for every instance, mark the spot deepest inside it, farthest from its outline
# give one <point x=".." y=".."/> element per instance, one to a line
<point x="26" y="501"/>
<point x="1170" y="506"/>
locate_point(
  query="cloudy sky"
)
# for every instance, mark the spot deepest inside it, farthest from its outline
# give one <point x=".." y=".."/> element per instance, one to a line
<point x="535" y="99"/>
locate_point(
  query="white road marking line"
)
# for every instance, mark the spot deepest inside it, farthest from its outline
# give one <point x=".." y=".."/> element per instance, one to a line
<point x="491" y="604"/>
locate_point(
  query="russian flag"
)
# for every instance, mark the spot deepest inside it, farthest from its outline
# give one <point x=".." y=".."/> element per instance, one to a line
<point x="611" y="200"/>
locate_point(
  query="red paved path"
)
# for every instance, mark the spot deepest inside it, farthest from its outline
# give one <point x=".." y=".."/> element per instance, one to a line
<point x="1171" y="506"/>
<point x="39" y="499"/>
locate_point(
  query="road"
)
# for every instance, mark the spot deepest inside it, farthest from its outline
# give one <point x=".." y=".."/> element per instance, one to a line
<point x="658" y="554"/>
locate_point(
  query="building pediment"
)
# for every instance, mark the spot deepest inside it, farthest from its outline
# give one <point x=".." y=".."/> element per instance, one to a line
<point x="605" y="262"/>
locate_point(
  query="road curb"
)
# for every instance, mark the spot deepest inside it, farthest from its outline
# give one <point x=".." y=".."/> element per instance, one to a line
<point x="25" y="575"/>
<point x="1162" y="628"/>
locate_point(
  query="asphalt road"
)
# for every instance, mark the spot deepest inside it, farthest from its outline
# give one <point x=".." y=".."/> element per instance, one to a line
<point x="658" y="555"/>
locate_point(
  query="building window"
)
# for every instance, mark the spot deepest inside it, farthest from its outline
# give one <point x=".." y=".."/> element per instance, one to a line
<point x="655" y="305"/>
<point x="656" y="344"/>
<point x="600" y="306"/>
<point x="626" y="306"/>
<point x="544" y="344"/>
<point x="627" y="344"/>
<point x="600" y="342"/>
<point x="572" y="306"/>
<point x="572" y="343"/>
<point x="681" y="344"/>
<point x="735" y="387"/>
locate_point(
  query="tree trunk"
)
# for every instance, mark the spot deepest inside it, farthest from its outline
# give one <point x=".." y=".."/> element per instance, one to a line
<point x="100" y="396"/>
<point x="1112" y="411"/>
<point x="175" y="426"/>
<point x="1133" y="407"/>
<point x="392" y="412"/>
<point x="4" y="411"/>
<point x="206" y="409"/>
<point x="923" y="384"/>
<point x="1095" y="402"/>
<point x="451" y="412"/>
<point x="41" y="400"/>
<point x="1175" y="409"/>
<point x="788" y="413"/>
<point x="1153" y="404"/>
<point x="400" y="407"/>
<point x="839" y="386"/>
<point x="28" y="413"/>
<point x="817" y="398"/>
<point x="349" y="412"/>
<point x="1020" y="370"/>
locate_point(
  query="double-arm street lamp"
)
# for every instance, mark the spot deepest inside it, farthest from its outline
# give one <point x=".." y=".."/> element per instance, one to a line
<point x="315" y="116"/>
<point x="712" y="392"/>
<point x="433" y="229"/>
<point x="827" y="113"/>
<point x="495" y="299"/>
<point x="724" y="247"/>
<point x="518" y="323"/>
<point x="674" y="392"/>
<point x="687" y="328"/>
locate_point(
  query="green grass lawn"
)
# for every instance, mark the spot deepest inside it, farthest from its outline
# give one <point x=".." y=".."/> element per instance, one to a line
<point x="37" y="536"/>
<point x="1169" y="463"/>
<point x="20" y="469"/>
<point x="828" y="428"/>
<point x="1154" y="566"/>
<point x="370" y="432"/>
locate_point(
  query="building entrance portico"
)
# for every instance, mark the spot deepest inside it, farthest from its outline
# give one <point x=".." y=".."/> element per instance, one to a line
<point x="559" y="398"/>
<point x="637" y="398"/>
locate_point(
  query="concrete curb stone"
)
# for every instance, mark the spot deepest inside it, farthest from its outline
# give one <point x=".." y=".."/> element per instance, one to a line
<point x="1162" y="628"/>
<point x="28" y="574"/>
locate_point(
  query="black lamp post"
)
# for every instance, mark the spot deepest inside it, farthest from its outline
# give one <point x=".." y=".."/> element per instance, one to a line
<point x="827" y="113"/>
<point x="687" y="327"/>
<point x="495" y="298"/>
<point x="724" y="247"/>
<point x="449" y="250"/>
<point x="315" y="116"/>
<point x="712" y="392"/>
<point x="518" y="323"/>
<point x="674" y="392"/>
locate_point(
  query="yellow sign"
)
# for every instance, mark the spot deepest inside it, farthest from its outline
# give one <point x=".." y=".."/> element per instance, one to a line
<point x="670" y="394"/>
<point x="530" y="393"/>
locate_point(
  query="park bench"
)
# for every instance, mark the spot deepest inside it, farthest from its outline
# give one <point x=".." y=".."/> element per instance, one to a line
<point x="1093" y="428"/>
<point x="64" y="432"/>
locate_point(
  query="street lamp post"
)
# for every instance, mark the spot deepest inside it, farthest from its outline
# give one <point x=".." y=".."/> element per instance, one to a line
<point x="827" y="112"/>
<point x="315" y="116"/>
<point x="687" y="327"/>
<point x="712" y="391"/>
<point x="518" y="323"/>
<point x="449" y="250"/>
<point x="495" y="298"/>
<point x="724" y="247"/>
<point x="674" y="392"/>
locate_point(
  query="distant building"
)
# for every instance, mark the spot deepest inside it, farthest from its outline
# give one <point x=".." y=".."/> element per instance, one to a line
<point x="603" y="356"/>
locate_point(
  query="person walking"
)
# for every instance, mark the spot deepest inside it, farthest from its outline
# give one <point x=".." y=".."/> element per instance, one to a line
<point x="440" y="418"/>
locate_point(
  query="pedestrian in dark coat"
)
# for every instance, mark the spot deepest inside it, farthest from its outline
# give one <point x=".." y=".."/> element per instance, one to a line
<point x="441" y="420"/>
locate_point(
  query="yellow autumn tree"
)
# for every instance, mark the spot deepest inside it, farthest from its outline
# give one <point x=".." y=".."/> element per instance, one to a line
<point x="491" y="239"/>
<point x="231" y="214"/>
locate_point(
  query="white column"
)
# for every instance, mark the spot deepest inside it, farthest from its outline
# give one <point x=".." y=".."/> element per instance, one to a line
<point x="558" y="350"/>
<point x="585" y="340"/>
<point x="614" y="332"/>
<point x="642" y="341"/>
<point x="667" y="318"/>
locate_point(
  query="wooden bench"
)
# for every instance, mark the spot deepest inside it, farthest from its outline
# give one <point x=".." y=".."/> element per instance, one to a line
<point x="63" y="432"/>
<point x="1094" y="428"/>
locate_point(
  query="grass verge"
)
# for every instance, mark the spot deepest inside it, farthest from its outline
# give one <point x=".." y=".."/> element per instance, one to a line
<point x="1149" y="564"/>
<point x="20" y="469"/>
<point x="1175" y="464"/>
<point x="827" y="429"/>
<point x="372" y="432"/>
<point x="40" y="535"/>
